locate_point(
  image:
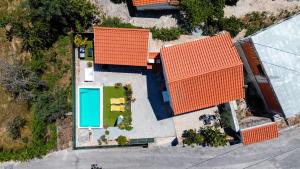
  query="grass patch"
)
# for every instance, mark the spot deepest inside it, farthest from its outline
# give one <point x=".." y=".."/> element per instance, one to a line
<point x="89" y="44"/>
<point x="109" y="118"/>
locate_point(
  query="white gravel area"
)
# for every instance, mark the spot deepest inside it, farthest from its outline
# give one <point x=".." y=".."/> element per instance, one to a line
<point x="121" y="11"/>
<point x="247" y="6"/>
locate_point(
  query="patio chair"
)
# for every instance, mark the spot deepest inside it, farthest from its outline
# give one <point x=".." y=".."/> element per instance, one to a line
<point x="117" y="101"/>
<point x="120" y="108"/>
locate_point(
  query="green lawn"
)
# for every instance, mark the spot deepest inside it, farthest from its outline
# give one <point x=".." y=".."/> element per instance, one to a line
<point x="110" y="117"/>
<point x="89" y="44"/>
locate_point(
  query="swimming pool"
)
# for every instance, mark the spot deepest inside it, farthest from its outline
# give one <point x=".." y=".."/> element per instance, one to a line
<point x="90" y="107"/>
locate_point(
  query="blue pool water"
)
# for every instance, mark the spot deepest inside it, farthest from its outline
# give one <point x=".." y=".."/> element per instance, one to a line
<point x="89" y="107"/>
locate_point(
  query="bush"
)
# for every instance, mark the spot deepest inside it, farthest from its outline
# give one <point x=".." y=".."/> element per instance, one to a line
<point x="78" y="41"/>
<point x="233" y="25"/>
<point x="122" y="140"/>
<point x="89" y="64"/>
<point x="106" y="132"/>
<point x="103" y="139"/>
<point x="14" y="127"/>
<point x="166" y="34"/>
<point x="213" y="136"/>
<point x="191" y="137"/>
<point x="50" y="106"/>
<point x="116" y="22"/>
<point x="118" y="85"/>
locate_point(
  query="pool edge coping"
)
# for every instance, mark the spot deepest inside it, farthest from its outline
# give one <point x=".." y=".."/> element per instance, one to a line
<point x="101" y="106"/>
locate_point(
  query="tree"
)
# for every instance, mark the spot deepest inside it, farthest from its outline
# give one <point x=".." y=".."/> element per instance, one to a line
<point x="191" y="137"/>
<point x="18" y="80"/>
<point x="233" y="25"/>
<point x="198" y="13"/>
<point x="213" y="136"/>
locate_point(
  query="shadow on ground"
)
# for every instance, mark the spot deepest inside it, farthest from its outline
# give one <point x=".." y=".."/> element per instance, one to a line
<point x="155" y="86"/>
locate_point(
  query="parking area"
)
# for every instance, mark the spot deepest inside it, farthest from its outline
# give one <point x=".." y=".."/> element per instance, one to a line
<point x="191" y="120"/>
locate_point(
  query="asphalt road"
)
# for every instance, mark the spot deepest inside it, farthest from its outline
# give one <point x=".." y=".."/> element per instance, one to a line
<point x="279" y="153"/>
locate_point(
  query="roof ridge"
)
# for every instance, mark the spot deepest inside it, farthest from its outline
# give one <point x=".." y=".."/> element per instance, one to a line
<point x="215" y="70"/>
<point x="128" y="29"/>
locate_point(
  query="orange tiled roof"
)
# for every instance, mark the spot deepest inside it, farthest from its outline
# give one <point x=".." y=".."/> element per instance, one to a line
<point x="153" y="55"/>
<point x="202" y="73"/>
<point x="121" y="46"/>
<point x="259" y="133"/>
<point x="148" y="2"/>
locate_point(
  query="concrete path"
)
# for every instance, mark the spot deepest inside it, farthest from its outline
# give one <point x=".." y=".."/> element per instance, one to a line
<point x="279" y="153"/>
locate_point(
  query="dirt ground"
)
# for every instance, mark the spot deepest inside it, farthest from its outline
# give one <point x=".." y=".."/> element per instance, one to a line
<point x="247" y="6"/>
<point x="64" y="133"/>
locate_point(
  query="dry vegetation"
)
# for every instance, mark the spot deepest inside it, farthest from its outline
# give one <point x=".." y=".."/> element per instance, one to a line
<point x="10" y="109"/>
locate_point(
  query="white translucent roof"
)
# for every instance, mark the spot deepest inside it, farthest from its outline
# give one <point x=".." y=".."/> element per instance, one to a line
<point x="279" y="50"/>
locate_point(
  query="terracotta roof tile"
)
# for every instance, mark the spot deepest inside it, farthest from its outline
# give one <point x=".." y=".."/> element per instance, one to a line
<point x="148" y="2"/>
<point x="153" y="55"/>
<point x="121" y="46"/>
<point x="259" y="133"/>
<point x="203" y="73"/>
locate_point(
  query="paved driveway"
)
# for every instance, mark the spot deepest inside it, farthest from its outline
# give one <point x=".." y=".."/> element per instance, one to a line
<point x="282" y="153"/>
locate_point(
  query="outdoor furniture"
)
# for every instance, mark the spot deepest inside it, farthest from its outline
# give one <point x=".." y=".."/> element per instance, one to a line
<point x="81" y="52"/>
<point x="89" y="74"/>
<point x="117" y="101"/>
<point x="207" y="119"/>
<point x="119" y="108"/>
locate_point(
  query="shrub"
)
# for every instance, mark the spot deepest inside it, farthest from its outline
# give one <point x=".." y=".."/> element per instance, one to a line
<point x="166" y="34"/>
<point x="106" y="132"/>
<point x="99" y="142"/>
<point x="14" y="127"/>
<point x="50" y="106"/>
<point x="233" y="25"/>
<point x="116" y="22"/>
<point x="118" y="85"/>
<point x="103" y="138"/>
<point x="128" y="91"/>
<point x="78" y="41"/>
<point x="122" y="140"/>
<point x="213" y="137"/>
<point x="25" y="140"/>
<point x="90" y="64"/>
<point x="191" y="137"/>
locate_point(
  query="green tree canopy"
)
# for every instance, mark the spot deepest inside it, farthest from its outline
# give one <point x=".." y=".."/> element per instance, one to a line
<point x="201" y="12"/>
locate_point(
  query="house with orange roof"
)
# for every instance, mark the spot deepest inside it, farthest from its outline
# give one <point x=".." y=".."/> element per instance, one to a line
<point x="122" y="46"/>
<point x="155" y="4"/>
<point x="202" y="73"/>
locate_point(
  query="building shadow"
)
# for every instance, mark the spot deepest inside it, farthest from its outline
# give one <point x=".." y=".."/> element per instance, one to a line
<point x="155" y="86"/>
<point x="120" y="69"/>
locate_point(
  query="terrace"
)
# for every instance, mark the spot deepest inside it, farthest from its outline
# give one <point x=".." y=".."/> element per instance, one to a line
<point x="150" y="117"/>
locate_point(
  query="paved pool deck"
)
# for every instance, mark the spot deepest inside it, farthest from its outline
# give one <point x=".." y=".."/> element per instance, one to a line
<point x="149" y="119"/>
